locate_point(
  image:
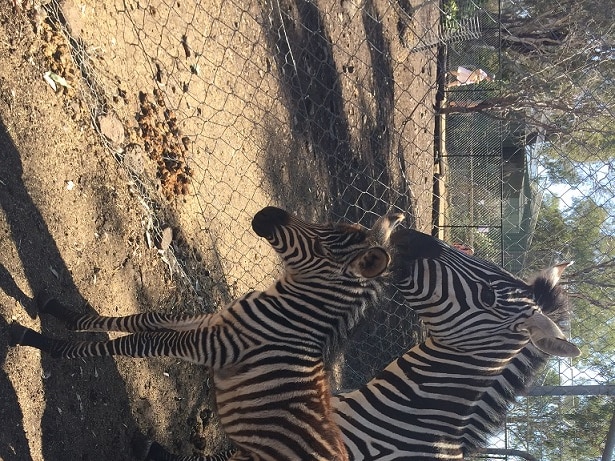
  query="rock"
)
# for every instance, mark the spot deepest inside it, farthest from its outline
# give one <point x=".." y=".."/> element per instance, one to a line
<point x="166" y="238"/>
<point x="112" y="129"/>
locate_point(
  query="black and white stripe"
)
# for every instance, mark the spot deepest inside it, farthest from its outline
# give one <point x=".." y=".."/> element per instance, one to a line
<point x="489" y="334"/>
<point x="265" y="349"/>
<point x="444" y="397"/>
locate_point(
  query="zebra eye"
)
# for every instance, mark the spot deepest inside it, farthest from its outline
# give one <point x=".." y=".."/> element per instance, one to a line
<point x="487" y="296"/>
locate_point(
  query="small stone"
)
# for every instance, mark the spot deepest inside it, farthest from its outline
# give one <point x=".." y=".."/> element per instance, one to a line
<point x="166" y="238"/>
<point x="133" y="158"/>
<point x="112" y="129"/>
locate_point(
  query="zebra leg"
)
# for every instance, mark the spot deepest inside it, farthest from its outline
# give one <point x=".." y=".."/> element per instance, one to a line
<point x="135" y="323"/>
<point x="181" y="345"/>
<point x="20" y="335"/>
<point x="58" y="310"/>
<point x="145" y="449"/>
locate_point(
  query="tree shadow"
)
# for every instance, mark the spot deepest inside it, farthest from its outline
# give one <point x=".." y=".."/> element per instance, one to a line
<point x="355" y="185"/>
<point x="321" y="169"/>
<point x="78" y="395"/>
<point x="13" y="441"/>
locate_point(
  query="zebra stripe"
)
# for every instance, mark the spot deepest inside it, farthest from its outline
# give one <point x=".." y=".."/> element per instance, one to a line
<point x="489" y="334"/>
<point x="265" y="349"/>
<point x="444" y="397"/>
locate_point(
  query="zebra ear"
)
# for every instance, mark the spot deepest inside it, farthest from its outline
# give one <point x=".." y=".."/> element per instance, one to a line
<point x="557" y="347"/>
<point x="554" y="273"/>
<point x="370" y="263"/>
<point x="382" y="229"/>
<point x="548" y="337"/>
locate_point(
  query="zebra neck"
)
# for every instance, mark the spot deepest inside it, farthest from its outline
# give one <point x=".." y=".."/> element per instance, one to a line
<point x="473" y="390"/>
<point x="345" y="301"/>
<point x="317" y="313"/>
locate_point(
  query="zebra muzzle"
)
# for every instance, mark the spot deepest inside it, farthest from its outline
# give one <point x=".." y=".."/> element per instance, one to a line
<point x="267" y="219"/>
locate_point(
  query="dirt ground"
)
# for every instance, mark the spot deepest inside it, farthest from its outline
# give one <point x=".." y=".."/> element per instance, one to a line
<point x="78" y="224"/>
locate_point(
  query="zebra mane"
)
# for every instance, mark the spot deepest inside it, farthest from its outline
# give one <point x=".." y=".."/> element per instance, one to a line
<point x="513" y="381"/>
<point x="411" y="244"/>
<point x="554" y="302"/>
<point x="551" y="296"/>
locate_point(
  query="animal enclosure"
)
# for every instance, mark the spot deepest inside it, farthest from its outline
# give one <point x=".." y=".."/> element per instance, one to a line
<point x="333" y="110"/>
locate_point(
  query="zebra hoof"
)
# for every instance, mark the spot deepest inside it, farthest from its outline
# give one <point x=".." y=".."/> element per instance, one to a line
<point x="145" y="449"/>
<point x="23" y="336"/>
<point x="51" y="306"/>
<point x="16" y="334"/>
<point x="140" y="445"/>
<point x="43" y="301"/>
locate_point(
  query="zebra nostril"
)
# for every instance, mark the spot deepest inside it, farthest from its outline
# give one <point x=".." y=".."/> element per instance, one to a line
<point x="267" y="219"/>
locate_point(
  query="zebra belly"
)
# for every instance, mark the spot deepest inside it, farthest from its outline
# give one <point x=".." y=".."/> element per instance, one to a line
<point x="378" y="432"/>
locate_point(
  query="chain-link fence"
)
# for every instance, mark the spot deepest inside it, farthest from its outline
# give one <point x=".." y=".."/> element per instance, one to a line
<point x="527" y="180"/>
<point x="325" y="110"/>
<point x="332" y="110"/>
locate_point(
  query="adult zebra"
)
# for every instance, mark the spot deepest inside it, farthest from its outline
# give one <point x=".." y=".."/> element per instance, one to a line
<point x="489" y="335"/>
<point x="265" y="349"/>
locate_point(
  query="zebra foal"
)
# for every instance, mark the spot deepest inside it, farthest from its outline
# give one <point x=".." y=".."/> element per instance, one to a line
<point x="266" y="348"/>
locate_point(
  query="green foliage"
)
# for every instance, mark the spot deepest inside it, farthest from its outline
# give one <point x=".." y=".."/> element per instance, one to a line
<point x="450" y="15"/>
<point x="556" y="70"/>
<point x="574" y="427"/>
<point x="555" y="75"/>
<point x="561" y="170"/>
<point x="556" y="237"/>
<point x="487" y="244"/>
<point x="564" y="428"/>
<point x="454" y="10"/>
<point x="549" y="241"/>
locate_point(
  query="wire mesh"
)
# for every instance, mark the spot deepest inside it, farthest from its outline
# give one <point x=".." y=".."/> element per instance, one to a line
<point x="524" y="176"/>
<point x="327" y="109"/>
